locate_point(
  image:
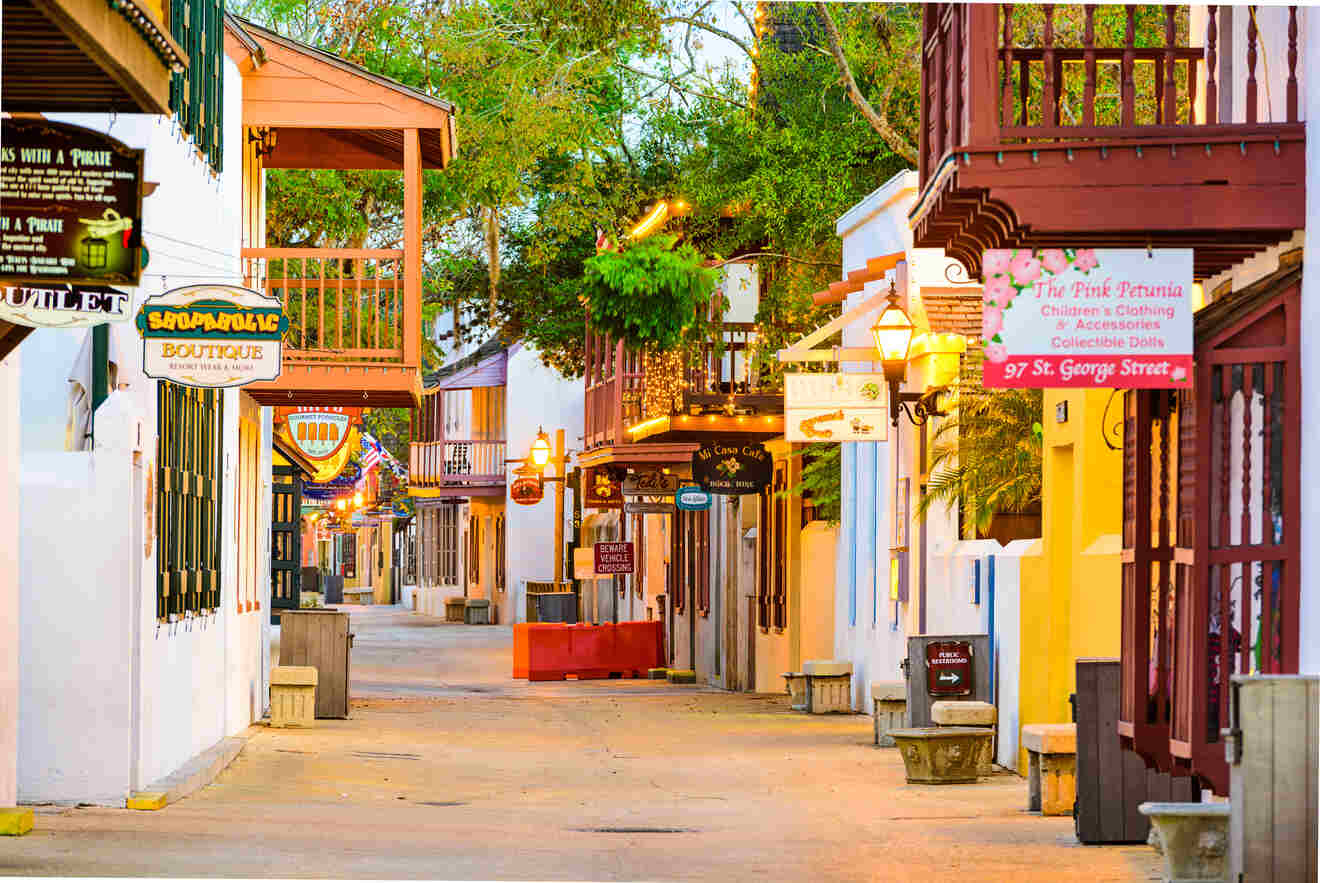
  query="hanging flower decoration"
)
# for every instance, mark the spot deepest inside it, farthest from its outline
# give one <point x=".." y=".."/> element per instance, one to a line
<point x="1009" y="273"/>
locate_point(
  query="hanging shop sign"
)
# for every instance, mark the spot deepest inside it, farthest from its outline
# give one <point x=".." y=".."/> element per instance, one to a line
<point x="949" y="668"/>
<point x="319" y="433"/>
<point x="64" y="306"/>
<point x="728" y="469"/>
<point x="72" y="205"/>
<point x="650" y="484"/>
<point x="642" y="507"/>
<point x="1087" y="317"/>
<point x="614" y="558"/>
<point x="527" y="490"/>
<point x="599" y="490"/>
<point x="212" y="336"/>
<point x="691" y="498"/>
<point x="835" y="407"/>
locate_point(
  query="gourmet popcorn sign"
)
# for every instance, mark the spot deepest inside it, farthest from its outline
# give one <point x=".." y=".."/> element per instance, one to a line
<point x="1062" y="317"/>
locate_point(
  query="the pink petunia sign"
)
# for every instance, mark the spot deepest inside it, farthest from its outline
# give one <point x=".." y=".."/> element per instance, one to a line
<point x="1085" y="317"/>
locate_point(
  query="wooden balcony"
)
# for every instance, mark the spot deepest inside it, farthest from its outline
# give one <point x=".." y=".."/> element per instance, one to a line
<point x="457" y="467"/>
<point x="349" y="322"/>
<point x="355" y="314"/>
<point x="1036" y="133"/>
<point x="633" y="397"/>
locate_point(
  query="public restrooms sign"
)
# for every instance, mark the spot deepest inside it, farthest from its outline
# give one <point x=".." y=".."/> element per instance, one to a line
<point x="1087" y="318"/>
<point x="70" y="205"/>
<point x="729" y="469"/>
<point x="212" y="336"/>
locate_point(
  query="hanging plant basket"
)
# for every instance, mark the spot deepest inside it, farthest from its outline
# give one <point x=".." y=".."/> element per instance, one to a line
<point x="652" y="296"/>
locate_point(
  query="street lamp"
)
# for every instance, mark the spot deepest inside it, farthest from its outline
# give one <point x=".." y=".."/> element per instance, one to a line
<point x="357" y="500"/>
<point x="541" y="448"/>
<point x="341" y="504"/>
<point x="892" y="334"/>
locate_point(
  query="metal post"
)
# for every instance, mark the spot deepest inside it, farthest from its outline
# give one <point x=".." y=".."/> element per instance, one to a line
<point x="559" y="508"/>
<point x="576" y="478"/>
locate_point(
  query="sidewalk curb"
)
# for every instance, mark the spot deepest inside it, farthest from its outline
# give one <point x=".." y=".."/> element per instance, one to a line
<point x="194" y="775"/>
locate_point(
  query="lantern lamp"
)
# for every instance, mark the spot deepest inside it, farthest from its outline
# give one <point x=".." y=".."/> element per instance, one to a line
<point x="892" y="334"/>
<point x="341" y="504"/>
<point x="357" y="499"/>
<point x="541" y="448"/>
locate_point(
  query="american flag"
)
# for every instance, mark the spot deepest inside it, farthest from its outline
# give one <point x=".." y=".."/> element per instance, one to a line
<point x="371" y="453"/>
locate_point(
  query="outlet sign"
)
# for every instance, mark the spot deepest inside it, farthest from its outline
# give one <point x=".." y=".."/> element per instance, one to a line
<point x="949" y="668"/>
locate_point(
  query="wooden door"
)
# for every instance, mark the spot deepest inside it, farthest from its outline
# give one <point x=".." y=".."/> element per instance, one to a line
<point x="285" y="540"/>
<point x="320" y="638"/>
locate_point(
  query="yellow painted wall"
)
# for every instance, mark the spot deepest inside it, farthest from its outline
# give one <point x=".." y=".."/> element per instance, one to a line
<point x="1071" y="595"/>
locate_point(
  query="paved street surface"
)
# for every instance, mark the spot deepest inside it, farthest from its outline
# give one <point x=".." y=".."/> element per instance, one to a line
<point x="450" y="769"/>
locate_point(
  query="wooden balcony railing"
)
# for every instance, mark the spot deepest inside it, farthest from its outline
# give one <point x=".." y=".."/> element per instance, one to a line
<point x="1019" y="74"/>
<point x="624" y="387"/>
<point x="454" y="462"/>
<point x="345" y="306"/>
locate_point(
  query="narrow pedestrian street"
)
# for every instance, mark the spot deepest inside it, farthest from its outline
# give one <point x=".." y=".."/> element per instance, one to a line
<point x="448" y="768"/>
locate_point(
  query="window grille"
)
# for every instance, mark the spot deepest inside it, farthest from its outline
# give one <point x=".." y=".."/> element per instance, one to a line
<point x="188" y="457"/>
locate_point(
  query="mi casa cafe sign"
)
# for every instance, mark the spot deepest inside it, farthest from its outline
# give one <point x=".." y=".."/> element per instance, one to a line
<point x="1087" y="317"/>
<point x="729" y="469"/>
<point x="650" y="484"/>
<point x="63" y="306"/>
<point x="835" y="407"/>
<point x="212" y="336"/>
<point x="319" y="433"/>
<point x="70" y="205"/>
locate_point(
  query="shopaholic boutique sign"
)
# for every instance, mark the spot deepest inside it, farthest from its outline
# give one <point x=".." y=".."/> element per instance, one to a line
<point x="729" y="469"/>
<point x="1087" y="318"/>
<point x="212" y="336"/>
<point x="319" y="433"/>
<point x="63" y="306"/>
<point x="70" y="205"/>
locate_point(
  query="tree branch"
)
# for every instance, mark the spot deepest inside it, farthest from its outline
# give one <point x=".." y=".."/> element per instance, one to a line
<point x="680" y="88"/>
<point x="710" y="29"/>
<point x="878" y="120"/>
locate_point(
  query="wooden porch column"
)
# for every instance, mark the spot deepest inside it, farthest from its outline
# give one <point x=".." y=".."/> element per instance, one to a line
<point x="981" y="95"/>
<point x="412" y="247"/>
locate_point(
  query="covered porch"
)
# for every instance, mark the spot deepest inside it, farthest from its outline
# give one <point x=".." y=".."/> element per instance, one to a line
<point x="354" y="313"/>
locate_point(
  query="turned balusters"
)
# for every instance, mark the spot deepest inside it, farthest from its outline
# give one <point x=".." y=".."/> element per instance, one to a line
<point x="1129" y="88"/>
<point x="1251" y="64"/>
<point x="1292" y="64"/>
<point x="1211" y="60"/>
<point x="1170" y="107"/>
<point x="1006" y="100"/>
<point x="1049" y="108"/>
<point x="1088" y="44"/>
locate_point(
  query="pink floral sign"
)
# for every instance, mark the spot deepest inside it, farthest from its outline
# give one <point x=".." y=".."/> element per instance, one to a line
<point x="1085" y="317"/>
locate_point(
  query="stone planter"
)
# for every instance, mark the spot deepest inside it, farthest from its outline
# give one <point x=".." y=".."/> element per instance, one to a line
<point x="829" y="686"/>
<point x="455" y="608"/>
<point x="941" y="755"/>
<point x="293" y="696"/>
<point x="889" y="699"/>
<point x="795" y="682"/>
<point x="1193" y="838"/>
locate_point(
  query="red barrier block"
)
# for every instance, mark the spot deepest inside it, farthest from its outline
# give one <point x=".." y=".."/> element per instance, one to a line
<point x="639" y="646"/>
<point x="549" y="653"/>
<point x="521" y="642"/>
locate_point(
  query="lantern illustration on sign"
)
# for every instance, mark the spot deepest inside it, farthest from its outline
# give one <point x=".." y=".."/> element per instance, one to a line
<point x="94" y="246"/>
<point x="93" y="252"/>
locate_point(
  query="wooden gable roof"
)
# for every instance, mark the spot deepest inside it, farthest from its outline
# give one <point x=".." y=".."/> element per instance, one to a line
<point x="328" y="113"/>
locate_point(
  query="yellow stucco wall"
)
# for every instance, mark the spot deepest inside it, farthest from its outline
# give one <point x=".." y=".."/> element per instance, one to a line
<point x="1071" y="596"/>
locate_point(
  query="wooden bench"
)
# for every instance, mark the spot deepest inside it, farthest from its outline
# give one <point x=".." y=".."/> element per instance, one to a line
<point x="1051" y="768"/>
